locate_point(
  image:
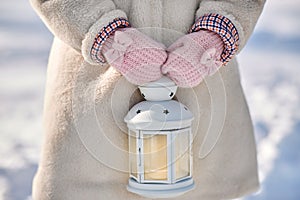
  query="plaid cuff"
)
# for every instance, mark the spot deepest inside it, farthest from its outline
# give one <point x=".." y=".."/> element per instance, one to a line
<point x="103" y="34"/>
<point x="224" y="28"/>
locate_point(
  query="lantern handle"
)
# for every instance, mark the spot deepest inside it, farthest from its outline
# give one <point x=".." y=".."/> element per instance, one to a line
<point x="160" y="90"/>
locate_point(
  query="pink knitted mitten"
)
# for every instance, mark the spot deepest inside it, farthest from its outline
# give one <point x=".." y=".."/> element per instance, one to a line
<point x="135" y="55"/>
<point x="192" y="57"/>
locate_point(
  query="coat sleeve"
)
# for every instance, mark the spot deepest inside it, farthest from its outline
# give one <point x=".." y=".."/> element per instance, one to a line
<point x="242" y="13"/>
<point x="77" y="22"/>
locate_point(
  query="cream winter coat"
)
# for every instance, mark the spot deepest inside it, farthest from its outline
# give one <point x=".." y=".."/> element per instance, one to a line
<point x="84" y="154"/>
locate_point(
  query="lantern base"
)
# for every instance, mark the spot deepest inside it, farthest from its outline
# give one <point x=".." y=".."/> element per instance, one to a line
<point x="155" y="190"/>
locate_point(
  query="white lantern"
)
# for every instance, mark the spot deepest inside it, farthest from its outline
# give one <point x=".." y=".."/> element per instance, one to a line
<point x="160" y="143"/>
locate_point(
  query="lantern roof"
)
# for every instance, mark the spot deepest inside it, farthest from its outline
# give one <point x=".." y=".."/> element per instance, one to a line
<point x="159" y="115"/>
<point x="159" y="112"/>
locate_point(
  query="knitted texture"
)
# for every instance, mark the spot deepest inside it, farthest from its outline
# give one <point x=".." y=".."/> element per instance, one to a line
<point x="135" y="55"/>
<point x="103" y="34"/>
<point x="224" y="28"/>
<point x="192" y="57"/>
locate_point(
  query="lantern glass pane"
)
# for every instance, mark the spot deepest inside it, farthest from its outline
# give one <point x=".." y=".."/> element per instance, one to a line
<point x="133" y="153"/>
<point x="155" y="157"/>
<point x="182" y="155"/>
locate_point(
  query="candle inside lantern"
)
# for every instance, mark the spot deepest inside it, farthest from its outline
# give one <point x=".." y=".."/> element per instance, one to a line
<point x="155" y="153"/>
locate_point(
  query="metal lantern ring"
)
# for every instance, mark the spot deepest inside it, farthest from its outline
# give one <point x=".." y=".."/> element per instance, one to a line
<point x="160" y="143"/>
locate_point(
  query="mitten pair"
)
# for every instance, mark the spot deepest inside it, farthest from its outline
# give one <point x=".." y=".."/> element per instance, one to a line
<point x="141" y="59"/>
<point x="211" y="43"/>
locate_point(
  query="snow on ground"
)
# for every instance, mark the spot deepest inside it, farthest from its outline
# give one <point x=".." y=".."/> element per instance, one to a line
<point x="269" y="68"/>
<point x="24" y="48"/>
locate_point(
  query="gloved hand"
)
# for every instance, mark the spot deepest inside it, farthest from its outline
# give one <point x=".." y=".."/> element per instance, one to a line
<point x="135" y="55"/>
<point x="192" y="57"/>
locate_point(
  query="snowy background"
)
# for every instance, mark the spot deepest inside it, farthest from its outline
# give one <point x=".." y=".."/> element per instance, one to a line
<point x="270" y="68"/>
